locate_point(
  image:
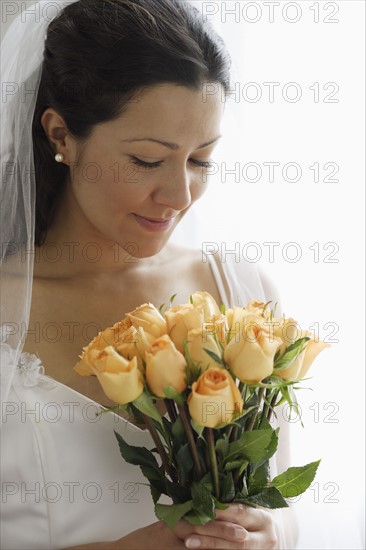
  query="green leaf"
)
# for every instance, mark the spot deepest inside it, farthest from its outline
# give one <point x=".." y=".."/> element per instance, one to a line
<point x="223" y="309"/>
<point x="153" y="474"/>
<point x="193" y="371"/>
<point x="252" y="401"/>
<point x="259" y="479"/>
<point x="290" y="354"/>
<point x="185" y="464"/>
<point x="220" y="505"/>
<point x="238" y="418"/>
<point x="178" y="430"/>
<point x="145" y="404"/>
<point x="140" y="456"/>
<point x="242" y="467"/>
<point x="172" y="393"/>
<point x="176" y="492"/>
<point x="157" y="481"/>
<point x="172" y="513"/>
<point x="265" y="425"/>
<point x="269" y="497"/>
<point x="155" y="493"/>
<point x="227" y="487"/>
<point x="215" y="357"/>
<point x="296" y="480"/>
<point x="253" y="445"/>
<point x="203" y="509"/>
<point x="136" y="415"/>
<point x="233" y="465"/>
<point x="202" y="452"/>
<point x="171" y="300"/>
<point x="272" y="447"/>
<point x="221" y="447"/>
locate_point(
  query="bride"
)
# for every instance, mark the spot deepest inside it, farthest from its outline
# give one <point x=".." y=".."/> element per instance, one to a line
<point x="109" y="124"/>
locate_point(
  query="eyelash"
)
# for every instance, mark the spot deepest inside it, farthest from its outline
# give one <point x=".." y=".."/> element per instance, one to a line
<point x="150" y="165"/>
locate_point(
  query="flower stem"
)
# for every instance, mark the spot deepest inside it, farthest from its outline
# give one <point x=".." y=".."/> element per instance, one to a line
<point x="250" y="424"/>
<point x="191" y="441"/>
<point x="170" y="407"/>
<point x="266" y="407"/>
<point x="272" y="405"/>
<point x="160" y="447"/>
<point x="213" y="461"/>
<point x="232" y="432"/>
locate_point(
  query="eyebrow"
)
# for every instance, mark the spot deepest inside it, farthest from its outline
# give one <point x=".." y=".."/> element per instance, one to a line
<point x="172" y="146"/>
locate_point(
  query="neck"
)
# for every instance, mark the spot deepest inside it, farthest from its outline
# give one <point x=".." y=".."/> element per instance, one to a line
<point x="72" y="248"/>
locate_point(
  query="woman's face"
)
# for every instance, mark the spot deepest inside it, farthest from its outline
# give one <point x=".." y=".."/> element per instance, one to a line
<point x="135" y="178"/>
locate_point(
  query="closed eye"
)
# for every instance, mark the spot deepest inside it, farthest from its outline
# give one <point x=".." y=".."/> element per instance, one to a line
<point x="144" y="164"/>
<point x="201" y="163"/>
<point x="150" y="165"/>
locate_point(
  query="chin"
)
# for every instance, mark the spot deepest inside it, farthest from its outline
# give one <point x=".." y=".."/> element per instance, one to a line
<point x="146" y="250"/>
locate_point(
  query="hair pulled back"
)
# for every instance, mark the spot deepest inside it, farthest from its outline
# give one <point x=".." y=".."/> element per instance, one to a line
<point x="98" y="55"/>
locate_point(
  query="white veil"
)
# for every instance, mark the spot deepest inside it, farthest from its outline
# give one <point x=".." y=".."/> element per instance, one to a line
<point x="21" y="61"/>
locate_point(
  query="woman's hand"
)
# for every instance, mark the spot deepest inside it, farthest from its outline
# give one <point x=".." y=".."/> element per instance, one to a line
<point x="239" y="527"/>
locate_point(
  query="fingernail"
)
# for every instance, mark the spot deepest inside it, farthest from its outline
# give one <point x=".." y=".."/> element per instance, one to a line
<point x="240" y="507"/>
<point x="193" y="543"/>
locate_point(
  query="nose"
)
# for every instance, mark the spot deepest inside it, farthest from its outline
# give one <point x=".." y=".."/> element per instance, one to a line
<point x="175" y="191"/>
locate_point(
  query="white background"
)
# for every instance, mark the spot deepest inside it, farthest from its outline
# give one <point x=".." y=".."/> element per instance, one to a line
<point x="313" y="290"/>
<point x="331" y="515"/>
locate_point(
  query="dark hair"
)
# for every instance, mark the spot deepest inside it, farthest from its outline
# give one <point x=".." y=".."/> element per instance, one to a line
<point x="98" y="55"/>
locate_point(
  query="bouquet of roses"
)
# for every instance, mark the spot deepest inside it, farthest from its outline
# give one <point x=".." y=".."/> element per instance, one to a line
<point x="219" y="375"/>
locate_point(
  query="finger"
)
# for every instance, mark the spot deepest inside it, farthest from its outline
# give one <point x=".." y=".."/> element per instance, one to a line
<point x="225" y="530"/>
<point x="214" y="543"/>
<point x="258" y="540"/>
<point x="252" y="519"/>
<point x="253" y="541"/>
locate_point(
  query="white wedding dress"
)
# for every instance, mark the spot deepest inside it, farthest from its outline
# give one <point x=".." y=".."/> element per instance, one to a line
<point x="64" y="482"/>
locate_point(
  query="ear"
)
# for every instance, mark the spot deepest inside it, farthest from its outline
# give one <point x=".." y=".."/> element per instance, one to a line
<point x="58" y="135"/>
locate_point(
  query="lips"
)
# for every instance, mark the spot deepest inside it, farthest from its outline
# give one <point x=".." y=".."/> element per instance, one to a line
<point x="154" y="224"/>
<point x="156" y="220"/>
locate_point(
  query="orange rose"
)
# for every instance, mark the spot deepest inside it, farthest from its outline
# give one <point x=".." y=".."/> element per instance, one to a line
<point x="181" y="319"/>
<point x="136" y="343"/>
<point x="120" y="379"/>
<point x="258" y="308"/>
<point x="214" y="398"/>
<point x="205" y="302"/>
<point x="165" y="366"/>
<point x="148" y="318"/>
<point x="111" y="336"/>
<point x="251" y="350"/>
<point x="302" y="364"/>
<point x="197" y="341"/>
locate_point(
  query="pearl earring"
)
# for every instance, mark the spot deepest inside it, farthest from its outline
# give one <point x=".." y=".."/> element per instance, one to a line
<point x="59" y="157"/>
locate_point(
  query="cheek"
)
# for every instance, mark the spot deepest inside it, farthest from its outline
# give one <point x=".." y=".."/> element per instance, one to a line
<point x="108" y="186"/>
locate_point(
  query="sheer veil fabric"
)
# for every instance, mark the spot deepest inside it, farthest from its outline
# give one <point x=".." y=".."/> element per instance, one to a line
<point x="21" y="59"/>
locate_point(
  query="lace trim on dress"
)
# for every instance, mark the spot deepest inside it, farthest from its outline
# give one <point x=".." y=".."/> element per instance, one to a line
<point x="30" y="369"/>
